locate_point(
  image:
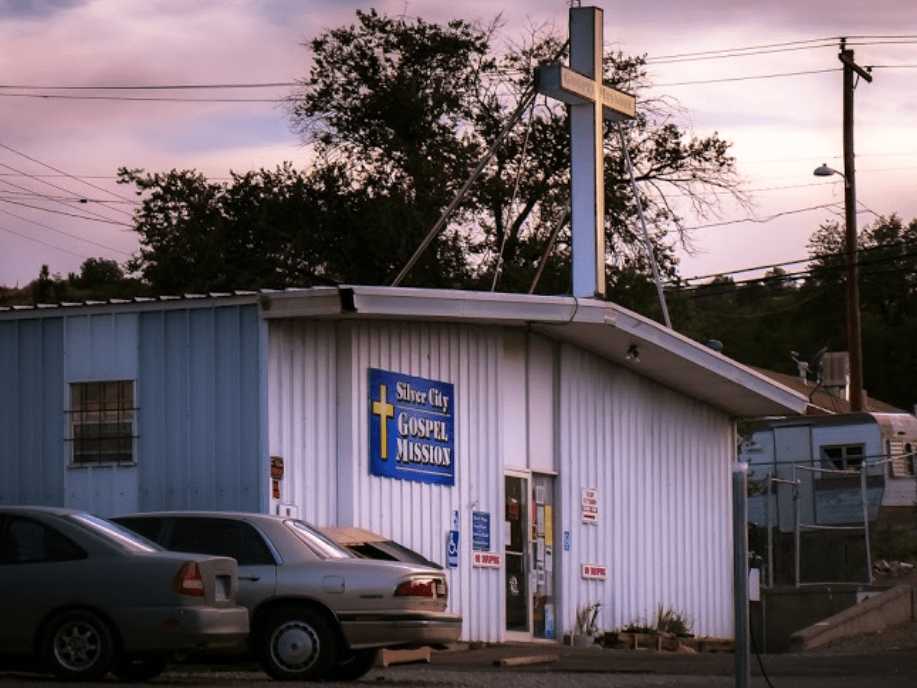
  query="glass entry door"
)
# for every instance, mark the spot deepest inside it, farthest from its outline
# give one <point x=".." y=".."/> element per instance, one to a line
<point x="543" y="557"/>
<point x="516" y="522"/>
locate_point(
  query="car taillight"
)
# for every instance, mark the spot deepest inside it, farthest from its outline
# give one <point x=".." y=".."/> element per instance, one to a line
<point x="416" y="587"/>
<point x="189" y="580"/>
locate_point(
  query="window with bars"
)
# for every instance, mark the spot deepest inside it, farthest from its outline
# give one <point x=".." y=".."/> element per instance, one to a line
<point x="102" y="416"/>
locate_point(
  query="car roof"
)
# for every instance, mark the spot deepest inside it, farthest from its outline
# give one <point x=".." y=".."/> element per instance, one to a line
<point x="239" y="515"/>
<point x="30" y="509"/>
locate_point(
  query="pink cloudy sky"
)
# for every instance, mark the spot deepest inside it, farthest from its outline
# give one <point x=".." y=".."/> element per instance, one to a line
<point x="781" y="128"/>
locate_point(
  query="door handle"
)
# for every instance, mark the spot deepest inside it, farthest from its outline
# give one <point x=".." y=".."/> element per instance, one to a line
<point x="253" y="579"/>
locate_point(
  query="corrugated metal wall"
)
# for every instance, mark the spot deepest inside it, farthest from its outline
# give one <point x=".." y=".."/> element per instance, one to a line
<point x="31" y="412"/>
<point x="200" y="410"/>
<point x="302" y="423"/>
<point x="417" y="514"/>
<point x="661" y="463"/>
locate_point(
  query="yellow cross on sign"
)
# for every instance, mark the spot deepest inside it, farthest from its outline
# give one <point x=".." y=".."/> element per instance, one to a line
<point x="384" y="410"/>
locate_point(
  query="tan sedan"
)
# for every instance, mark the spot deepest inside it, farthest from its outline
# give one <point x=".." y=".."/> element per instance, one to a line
<point x="84" y="596"/>
<point x="317" y="612"/>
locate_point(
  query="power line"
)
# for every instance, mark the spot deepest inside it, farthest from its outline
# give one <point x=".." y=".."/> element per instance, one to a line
<point x="59" y="171"/>
<point x="806" y="273"/>
<point x="46" y="243"/>
<point x="749" y="47"/>
<point x="748" y="78"/>
<point x="807" y="259"/>
<point x="65" y="199"/>
<point x="740" y="54"/>
<point x="94" y="214"/>
<point x="149" y="87"/>
<point x="67" y="234"/>
<point x="763" y="219"/>
<point x="140" y="99"/>
<point x="728" y="288"/>
<point x="771" y="48"/>
<point x="61" y="212"/>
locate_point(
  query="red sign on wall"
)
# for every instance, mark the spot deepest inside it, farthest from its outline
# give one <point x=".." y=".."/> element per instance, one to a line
<point x="487" y="560"/>
<point x="594" y="572"/>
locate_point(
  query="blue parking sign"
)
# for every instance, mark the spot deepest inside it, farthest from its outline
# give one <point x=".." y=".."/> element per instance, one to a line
<point x="452" y="549"/>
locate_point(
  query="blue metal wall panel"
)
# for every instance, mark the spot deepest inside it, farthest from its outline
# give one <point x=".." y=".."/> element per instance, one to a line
<point x="32" y="448"/>
<point x="200" y="416"/>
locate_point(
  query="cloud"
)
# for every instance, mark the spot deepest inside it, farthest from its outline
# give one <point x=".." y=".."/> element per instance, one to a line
<point x="34" y="9"/>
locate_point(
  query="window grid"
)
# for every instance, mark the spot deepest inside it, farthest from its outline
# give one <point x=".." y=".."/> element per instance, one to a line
<point x="101" y="422"/>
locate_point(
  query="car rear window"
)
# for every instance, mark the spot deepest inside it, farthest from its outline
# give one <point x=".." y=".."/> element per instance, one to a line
<point x="322" y="546"/>
<point x="222" y="537"/>
<point x="118" y="535"/>
<point x="150" y="528"/>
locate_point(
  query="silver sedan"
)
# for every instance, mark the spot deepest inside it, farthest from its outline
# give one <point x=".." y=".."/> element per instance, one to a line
<point x="318" y="613"/>
<point x="84" y="596"/>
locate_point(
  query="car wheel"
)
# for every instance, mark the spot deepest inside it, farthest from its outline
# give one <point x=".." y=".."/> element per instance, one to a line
<point x="78" y="645"/>
<point x="296" y="645"/>
<point x="356" y="664"/>
<point x="139" y="668"/>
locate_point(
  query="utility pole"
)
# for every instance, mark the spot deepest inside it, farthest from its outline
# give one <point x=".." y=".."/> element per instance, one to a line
<point x="854" y="330"/>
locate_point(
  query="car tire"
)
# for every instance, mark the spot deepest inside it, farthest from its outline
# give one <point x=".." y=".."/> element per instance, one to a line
<point x="354" y="665"/>
<point x="139" y="669"/>
<point x="296" y="645"/>
<point x="78" y="646"/>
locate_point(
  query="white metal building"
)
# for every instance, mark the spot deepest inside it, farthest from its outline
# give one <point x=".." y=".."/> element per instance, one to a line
<point x="584" y="456"/>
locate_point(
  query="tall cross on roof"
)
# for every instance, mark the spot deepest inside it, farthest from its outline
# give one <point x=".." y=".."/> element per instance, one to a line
<point x="591" y="102"/>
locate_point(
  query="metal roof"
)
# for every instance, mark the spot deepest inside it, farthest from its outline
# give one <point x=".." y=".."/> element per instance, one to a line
<point x="604" y="328"/>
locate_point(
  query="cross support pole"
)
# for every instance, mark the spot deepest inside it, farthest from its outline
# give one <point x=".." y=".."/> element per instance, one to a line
<point x="590" y="103"/>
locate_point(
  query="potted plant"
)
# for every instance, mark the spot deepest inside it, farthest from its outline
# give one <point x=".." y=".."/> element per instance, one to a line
<point x="586" y="629"/>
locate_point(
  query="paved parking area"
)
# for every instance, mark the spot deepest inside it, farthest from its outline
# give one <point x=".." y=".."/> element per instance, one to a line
<point x="878" y="666"/>
<point x="421" y="677"/>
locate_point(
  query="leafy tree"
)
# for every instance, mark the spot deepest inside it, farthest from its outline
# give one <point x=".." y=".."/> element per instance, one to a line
<point x="408" y="106"/>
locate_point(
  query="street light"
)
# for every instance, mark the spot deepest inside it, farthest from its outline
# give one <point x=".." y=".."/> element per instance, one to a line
<point x="824" y="171"/>
<point x="854" y="330"/>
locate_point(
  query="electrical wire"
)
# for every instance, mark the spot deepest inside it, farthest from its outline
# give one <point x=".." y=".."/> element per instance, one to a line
<point x="8" y="147"/>
<point x="728" y="288"/>
<point x="61" y="212"/>
<point x="94" y="214"/>
<point x="148" y="87"/>
<point x="45" y="243"/>
<point x="749" y="47"/>
<point x="762" y="220"/>
<point x="747" y="78"/>
<point x="62" y="232"/>
<point x="806" y="273"/>
<point x="141" y="99"/>
<point x="814" y="257"/>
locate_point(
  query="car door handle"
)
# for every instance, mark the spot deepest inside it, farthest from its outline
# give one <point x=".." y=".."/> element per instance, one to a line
<point x="250" y="578"/>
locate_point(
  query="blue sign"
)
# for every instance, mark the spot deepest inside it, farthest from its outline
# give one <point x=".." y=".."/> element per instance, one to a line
<point x="566" y="541"/>
<point x="411" y="428"/>
<point x="452" y="549"/>
<point x="480" y="531"/>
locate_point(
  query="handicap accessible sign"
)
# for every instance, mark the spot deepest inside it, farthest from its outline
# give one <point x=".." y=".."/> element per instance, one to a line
<point x="411" y="428"/>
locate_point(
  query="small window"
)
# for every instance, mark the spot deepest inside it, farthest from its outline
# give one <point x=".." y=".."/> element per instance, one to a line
<point x="848" y="457"/>
<point x="102" y="418"/>
<point x="910" y="461"/>
<point x="221" y="537"/>
<point x="29" y="542"/>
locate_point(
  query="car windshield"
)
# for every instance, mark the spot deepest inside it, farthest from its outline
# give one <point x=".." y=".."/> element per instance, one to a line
<point x="119" y="535"/>
<point x="318" y="543"/>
